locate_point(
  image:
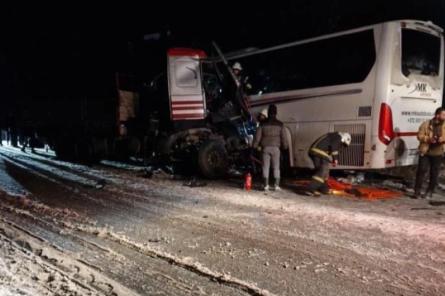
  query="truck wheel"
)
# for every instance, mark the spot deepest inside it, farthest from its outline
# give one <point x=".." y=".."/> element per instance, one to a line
<point x="212" y="159"/>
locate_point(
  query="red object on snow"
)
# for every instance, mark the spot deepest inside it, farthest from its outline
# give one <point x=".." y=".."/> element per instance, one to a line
<point x="248" y="182"/>
<point x="362" y="191"/>
<point x="348" y="190"/>
<point x="336" y="185"/>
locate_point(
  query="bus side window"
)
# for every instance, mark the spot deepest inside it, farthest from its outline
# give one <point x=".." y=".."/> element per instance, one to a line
<point x="340" y="60"/>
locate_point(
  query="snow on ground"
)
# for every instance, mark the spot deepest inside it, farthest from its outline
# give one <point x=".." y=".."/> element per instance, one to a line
<point x="68" y="171"/>
<point x="23" y="273"/>
<point x="30" y="265"/>
<point x="64" y="175"/>
<point x="177" y="238"/>
<point x="121" y="165"/>
<point x="8" y="184"/>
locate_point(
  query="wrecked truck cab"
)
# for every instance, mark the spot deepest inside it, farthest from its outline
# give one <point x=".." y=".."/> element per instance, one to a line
<point x="200" y="131"/>
<point x="160" y="116"/>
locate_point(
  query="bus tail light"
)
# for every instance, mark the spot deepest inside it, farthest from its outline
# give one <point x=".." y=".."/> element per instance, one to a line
<point x="386" y="128"/>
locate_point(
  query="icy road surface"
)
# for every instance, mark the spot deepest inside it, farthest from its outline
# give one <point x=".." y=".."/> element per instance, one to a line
<point x="68" y="229"/>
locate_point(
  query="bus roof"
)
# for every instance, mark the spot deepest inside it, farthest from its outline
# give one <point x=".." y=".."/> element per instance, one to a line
<point x="250" y="51"/>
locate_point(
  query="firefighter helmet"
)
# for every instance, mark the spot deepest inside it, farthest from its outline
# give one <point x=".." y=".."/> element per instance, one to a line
<point x="237" y="66"/>
<point x="346" y="138"/>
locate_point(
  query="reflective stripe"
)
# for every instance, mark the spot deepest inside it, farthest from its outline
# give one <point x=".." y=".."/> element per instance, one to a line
<point x="335" y="153"/>
<point x="318" y="179"/>
<point x="321" y="152"/>
<point x="319" y="140"/>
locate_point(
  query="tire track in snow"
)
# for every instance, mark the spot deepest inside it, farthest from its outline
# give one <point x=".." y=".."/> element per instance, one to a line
<point x="33" y="171"/>
<point x="57" y="262"/>
<point x="88" y="172"/>
<point x="186" y="264"/>
<point x="8" y="184"/>
<point x="136" y="198"/>
<point x="326" y="214"/>
<point x="54" y="171"/>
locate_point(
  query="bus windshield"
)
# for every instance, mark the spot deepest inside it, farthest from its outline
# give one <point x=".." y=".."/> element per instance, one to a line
<point x="420" y="53"/>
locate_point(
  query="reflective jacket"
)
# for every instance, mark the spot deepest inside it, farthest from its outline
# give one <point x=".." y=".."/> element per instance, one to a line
<point x="426" y="134"/>
<point x="327" y="147"/>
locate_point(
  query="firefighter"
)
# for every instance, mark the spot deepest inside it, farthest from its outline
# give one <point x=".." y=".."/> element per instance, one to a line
<point x="270" y="137"/>
<point x="244" y="80"/>
<point x="431" y="136"/>
<point x="237" y="69"/>
<point x="323" y="153"/>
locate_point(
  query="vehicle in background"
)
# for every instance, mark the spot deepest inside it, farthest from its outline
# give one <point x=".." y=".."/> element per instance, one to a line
<point x="182" y="115"/>
<point x="377" y="82"/>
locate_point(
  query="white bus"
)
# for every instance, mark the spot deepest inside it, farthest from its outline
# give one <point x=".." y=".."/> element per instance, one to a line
<point x="377" y="82"/>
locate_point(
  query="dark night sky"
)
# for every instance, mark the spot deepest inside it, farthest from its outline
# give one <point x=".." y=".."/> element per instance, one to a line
<point x="31" y="29"/>
<point x="45" y="49"/>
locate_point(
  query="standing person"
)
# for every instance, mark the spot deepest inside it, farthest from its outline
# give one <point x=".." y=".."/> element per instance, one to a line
<point x="25" y="141"/>
<point x="28" y="141"/>
<point x="431" y="136"/>
<point x="270" y="137"/>
<point x="244" y="80"/>
<point x="323" y="153"/>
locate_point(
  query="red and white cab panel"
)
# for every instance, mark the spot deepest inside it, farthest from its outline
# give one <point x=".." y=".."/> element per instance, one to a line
<point x="187" y="98"/>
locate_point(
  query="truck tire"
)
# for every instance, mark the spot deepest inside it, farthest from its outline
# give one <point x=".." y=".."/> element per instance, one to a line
<point x="213" y="159"/>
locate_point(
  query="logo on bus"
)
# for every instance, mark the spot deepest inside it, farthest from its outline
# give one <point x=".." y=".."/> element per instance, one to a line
<point x="420" y="87"/>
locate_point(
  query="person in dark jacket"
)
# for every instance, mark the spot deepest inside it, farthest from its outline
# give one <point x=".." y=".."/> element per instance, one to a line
<point x="323" y="153"/>
<point x="244" y="80"/>
<point x="431" y="136"/>
<point x="270" y="137"/>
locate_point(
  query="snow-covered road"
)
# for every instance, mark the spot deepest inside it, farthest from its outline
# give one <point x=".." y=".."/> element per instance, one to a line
<point x="105" y="230"/>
